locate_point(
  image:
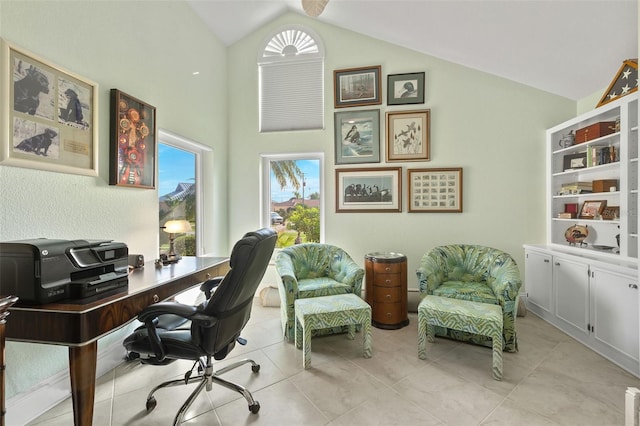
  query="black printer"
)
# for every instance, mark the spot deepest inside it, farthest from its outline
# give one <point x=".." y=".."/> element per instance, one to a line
<point x="46" y="270"/>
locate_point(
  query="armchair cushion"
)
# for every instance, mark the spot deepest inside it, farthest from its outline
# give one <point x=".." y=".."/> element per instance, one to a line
<point x="476" y="273"/>
<point x="313" y="270"/>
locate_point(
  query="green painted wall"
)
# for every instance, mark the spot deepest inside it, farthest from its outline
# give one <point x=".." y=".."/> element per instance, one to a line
<point x="132" y="46"/>
<point x="492" y="127"/>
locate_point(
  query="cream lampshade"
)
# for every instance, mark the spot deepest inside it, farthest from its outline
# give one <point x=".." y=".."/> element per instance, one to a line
<point x="173" y="227"/>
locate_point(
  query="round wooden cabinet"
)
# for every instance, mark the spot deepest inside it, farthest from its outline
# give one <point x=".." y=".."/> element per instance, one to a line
<point x="386" y="289"/>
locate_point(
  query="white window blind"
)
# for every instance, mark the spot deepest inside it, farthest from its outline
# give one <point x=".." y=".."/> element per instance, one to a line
<point x="291" y="69"/>
<point x="291" y="96"/>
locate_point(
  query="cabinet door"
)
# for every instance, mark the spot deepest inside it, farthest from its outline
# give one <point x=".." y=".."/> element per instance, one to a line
<point x="615" y="311"/>
<point x="571" y="281"/>
<point x="539" y="280"/>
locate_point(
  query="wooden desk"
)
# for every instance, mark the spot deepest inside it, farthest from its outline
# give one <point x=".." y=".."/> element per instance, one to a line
<point x="80" y="325"/>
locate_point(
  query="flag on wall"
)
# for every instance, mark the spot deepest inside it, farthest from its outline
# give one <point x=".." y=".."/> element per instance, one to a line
<point x="624" y="83"/>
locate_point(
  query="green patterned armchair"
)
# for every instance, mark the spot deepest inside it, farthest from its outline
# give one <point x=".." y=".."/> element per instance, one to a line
<point x="477" y="273"/>
<point x="312" y="270"/>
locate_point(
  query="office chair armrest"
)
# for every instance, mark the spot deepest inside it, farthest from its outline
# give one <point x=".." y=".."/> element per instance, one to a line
<point x="209" y="285"/>
<point x="161" y="308"/>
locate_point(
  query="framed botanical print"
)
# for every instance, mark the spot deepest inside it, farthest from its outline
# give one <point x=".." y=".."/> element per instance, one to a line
<point x="408" y="135"/>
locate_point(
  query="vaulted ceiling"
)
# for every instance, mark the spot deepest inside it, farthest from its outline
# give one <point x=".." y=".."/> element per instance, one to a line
<point x="571" y="48"/>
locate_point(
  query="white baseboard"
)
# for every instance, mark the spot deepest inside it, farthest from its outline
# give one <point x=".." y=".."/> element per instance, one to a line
<point x="27" y="406"/>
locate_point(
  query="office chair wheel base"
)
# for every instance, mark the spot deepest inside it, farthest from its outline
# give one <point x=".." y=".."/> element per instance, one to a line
<point x="151" y="404"/>
<point x="254" y="408"/>
<point x="255" y="369"/>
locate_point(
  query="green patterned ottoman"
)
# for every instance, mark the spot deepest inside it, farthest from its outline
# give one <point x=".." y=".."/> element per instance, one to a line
<point x="463" y="315"/>
<point x="331" y="311"/>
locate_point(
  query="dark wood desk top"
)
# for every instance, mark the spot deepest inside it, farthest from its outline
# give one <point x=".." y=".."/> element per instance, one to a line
<point x="76" y="323"/>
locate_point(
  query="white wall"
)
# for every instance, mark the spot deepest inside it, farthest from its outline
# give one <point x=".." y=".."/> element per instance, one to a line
<point x="492" y="127"/>
<point x="149" y="50"/>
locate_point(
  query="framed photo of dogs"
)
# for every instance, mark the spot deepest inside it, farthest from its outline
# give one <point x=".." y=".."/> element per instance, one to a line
<point x="132" y="159"/>
<point x="48" y="115"/>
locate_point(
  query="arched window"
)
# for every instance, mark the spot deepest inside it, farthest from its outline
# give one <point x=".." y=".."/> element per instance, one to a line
<point x="291" y="70"/>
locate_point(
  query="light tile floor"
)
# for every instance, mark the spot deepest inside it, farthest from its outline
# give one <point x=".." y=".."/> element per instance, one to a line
<point x="552" y="380"/>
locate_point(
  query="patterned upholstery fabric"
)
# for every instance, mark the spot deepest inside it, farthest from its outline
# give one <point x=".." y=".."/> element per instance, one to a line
<point x="475" y="273"/>
<point x="482" y="319"/>
<point x="314" y="270"/>
<point x="329" y="312"/>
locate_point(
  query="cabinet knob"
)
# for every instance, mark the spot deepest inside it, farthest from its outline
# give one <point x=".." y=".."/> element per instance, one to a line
<point x="388" y="281"/>
<point x="388" y="314"/>
<point x="633" y="286"/>
<point x="389" y="296"/>
<point x="557" y="263"/>
<point x="387" y="269"/>
<point x="546" y="261"/>
<point x="155" y="298"/>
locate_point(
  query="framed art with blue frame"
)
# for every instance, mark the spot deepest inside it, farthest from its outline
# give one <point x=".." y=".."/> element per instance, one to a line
<point x="405" y="89"/>
<point x="357" y="136"/>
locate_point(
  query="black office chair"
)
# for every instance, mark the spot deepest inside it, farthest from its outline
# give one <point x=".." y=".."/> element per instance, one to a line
<point x="213" y="327"/>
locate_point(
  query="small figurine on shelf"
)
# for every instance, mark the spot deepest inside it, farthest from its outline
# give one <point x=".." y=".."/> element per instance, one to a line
<point x="567" y="140"/>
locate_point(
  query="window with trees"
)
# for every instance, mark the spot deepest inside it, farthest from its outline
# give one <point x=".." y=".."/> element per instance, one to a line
<point x="292" y="192"/>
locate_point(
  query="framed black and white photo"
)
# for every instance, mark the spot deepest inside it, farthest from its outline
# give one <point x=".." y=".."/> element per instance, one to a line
<point x="357" y="86"/>
<point x="48" y="115"/>
<point x="371" y="190"/>
<point x="435" y="190"/>
<point x="357" y="136"/>
<point x="405" y="89"/>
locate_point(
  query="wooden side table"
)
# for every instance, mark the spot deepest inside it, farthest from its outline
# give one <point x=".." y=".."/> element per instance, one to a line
<point x="386" y="289"/>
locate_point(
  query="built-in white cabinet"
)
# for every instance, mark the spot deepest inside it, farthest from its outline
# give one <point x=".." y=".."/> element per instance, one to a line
<point x="539" y="279"/>
<point x="598" y="171"/>
<point x="584" y="279"/>
<point x="594" y="302"/>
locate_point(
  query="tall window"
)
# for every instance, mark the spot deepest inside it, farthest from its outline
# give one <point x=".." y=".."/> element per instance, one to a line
<point x="292" y="190"/>
<point x="179" y="195"/>
<point x="291" y="70"/>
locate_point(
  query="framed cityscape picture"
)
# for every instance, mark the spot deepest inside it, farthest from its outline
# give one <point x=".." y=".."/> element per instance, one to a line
<point x="435" y="190"/>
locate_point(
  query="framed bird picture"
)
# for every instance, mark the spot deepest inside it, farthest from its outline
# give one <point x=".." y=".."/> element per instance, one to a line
<point x="408" y="135"/>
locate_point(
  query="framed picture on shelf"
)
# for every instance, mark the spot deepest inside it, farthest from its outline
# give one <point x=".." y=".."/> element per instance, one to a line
<point x="357" y="136"/>
<point x="404" y="89"/>
<point x="611" y="212"/>
<point x="574" y="161"/>
<point x="357" y="87"/>
<point x="132" y="160"/>
<point x="372" y="190"/>
<point x="592" y="209"/>
<point x="48" y="115"/>
<point x="408" y="135"/>
<point x="435" y="190"/>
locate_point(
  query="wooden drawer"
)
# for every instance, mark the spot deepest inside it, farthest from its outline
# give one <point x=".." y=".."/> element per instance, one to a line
<point x="386" y="280"/>
<point x="387" y="294"/>
<point x="387" y="268"/>
<point x="387" y="313"/>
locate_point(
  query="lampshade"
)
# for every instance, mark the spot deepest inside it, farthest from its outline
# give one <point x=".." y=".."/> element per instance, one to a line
<point x="177" y="226"/>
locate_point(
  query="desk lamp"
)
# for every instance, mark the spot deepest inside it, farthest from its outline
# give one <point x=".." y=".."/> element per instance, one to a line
<point x="173" y="227"/>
